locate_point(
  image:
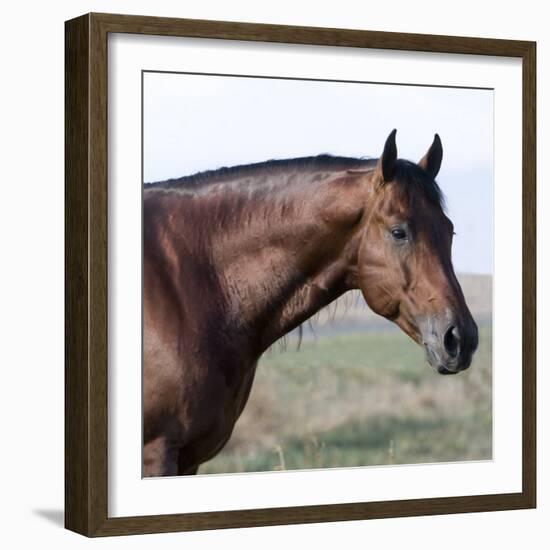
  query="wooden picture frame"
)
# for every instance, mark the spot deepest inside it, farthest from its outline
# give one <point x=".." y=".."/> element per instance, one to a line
<point x="86" y="283"/>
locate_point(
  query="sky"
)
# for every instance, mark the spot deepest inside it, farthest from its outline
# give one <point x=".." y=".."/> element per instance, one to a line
<point x="202" y="122"/>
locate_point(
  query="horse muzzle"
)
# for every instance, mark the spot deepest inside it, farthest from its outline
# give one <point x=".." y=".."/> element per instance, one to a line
<point x="449" y="344"/>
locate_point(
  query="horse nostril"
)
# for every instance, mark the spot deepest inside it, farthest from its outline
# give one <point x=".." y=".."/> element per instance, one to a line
<point x="451" y="341"/>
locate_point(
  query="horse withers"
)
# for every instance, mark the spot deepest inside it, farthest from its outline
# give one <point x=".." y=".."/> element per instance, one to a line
<point x="236" y="258"/>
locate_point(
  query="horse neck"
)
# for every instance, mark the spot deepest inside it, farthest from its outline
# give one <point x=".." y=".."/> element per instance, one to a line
<point x="290" y="257"/>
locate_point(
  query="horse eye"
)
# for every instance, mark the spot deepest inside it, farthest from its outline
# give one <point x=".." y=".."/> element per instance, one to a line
<point x="399" y="234"/>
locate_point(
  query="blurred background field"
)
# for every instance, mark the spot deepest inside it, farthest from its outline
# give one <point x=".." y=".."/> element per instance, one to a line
<point x="358" y="392"/>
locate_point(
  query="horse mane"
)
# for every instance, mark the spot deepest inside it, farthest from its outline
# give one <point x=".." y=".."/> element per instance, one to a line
<point x="269" y="167"/>
<point x="408" y="175"/>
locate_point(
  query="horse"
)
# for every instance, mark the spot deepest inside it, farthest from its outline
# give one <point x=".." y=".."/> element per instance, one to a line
<point x="235" y="258"/>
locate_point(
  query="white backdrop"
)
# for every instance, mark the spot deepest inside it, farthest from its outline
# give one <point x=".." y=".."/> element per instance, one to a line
<point x="31" y="293"/>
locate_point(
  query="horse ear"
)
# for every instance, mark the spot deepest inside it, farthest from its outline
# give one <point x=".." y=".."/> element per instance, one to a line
<point x="386" y="164"/>
<point x="431" y="161"/>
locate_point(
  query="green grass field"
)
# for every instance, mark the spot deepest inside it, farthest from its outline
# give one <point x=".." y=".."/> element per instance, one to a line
<point x="358" y="399"/>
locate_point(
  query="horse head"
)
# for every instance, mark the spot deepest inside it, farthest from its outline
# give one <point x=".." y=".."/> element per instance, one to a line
<point x="404" y="266"/>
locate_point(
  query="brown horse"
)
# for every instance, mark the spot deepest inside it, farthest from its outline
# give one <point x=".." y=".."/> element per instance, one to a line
<point x="236" y="258"/>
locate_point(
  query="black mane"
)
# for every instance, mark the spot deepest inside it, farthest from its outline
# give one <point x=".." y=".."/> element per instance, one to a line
<point x="407" y="174"/>
<point x="319" y="162"/>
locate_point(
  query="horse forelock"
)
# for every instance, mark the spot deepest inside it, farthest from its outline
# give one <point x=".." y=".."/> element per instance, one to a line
<point x="414" y="181"/>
